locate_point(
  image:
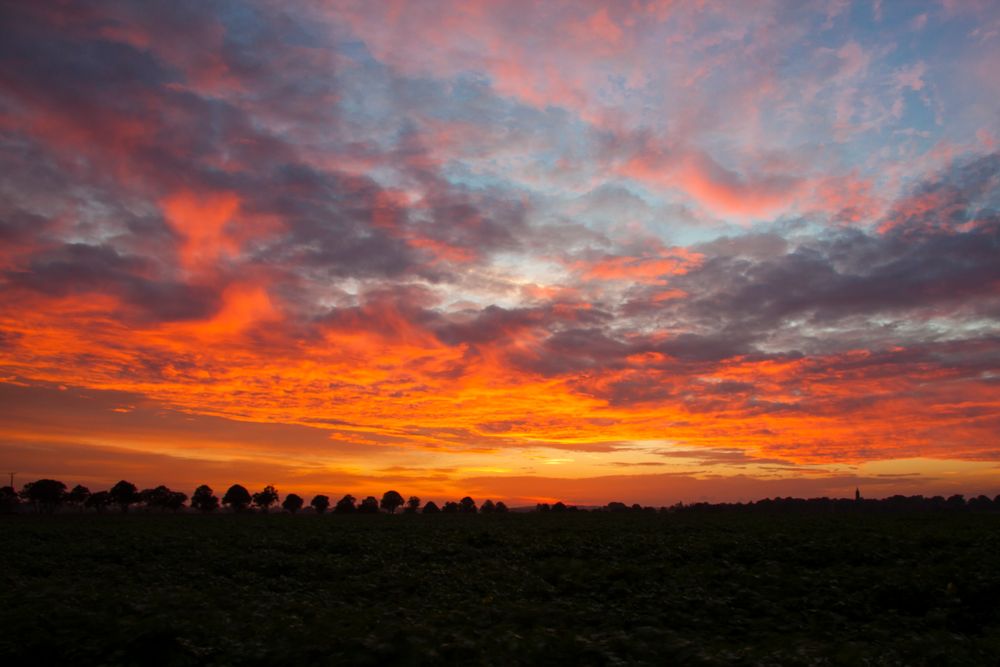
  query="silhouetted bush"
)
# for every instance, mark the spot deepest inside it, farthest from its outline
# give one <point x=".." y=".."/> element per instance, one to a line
<point x="450" y="507"/>
<point x="293" y="503"/>
<point x="431" y="508"/>
<point x="501" y="507"/>
<point x="368" y="506"/>
<point x="320" y="503"/>
<point x="487" y="508"/>
<point x="412" y="505"/>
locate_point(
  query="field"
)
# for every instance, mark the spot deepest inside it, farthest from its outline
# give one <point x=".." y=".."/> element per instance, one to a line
<point x="573" y="589"/>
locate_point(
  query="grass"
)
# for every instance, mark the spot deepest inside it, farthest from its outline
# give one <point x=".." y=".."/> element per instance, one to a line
<point x="574" y="588"/>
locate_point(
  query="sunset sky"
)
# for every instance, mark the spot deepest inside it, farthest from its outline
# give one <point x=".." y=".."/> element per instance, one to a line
<point x="649" y="251"/>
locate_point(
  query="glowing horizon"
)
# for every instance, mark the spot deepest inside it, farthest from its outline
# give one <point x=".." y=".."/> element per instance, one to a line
<point x="647" y="251"/>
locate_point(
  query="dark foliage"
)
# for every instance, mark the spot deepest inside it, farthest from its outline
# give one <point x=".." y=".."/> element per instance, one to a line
<point x="46" y="494"/>
<point x="391" y="501"/>
<point x="320" y="503"/>
<point x="204" y="500"/>
<point x="368" y="506"/>
<point x="99" y="501"/>
<point x="237" y="498"/>
<point x="467" y="505"/>
<point x="579" y="588"/>
<point x="124" y="494"/>
<point x="345" y="505"/>
<point x="265" y="498"/>
<point x="293" y="503"/>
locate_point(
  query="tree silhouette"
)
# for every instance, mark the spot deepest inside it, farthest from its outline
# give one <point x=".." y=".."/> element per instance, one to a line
<point x="99" y="501"/>
<point x="412" y="505"/>
<point x="175" y="500"/>
<point x="78" y="496"/>
<point x="391" y="500"/>
<point x="501" y="507"/>
<point x="368" y="506"/>
<point x="204" y="500"/>
<point x="488" y="507"/>
<point x="345" y="505"/>
<point x="293" y="503"/>
<point x="542" y="507"/>
<point x="431" y="508"/>
<point x="559" y="507"/>
<point x="8" y="499"/>
<point x="158" y="497"/>
<point x="46" y="494"/>
<point x="124" y="494"/>
<point x="450" y="507"/>
<point x="467" y="505"/>
<point x="320" y="503"/>
<point x="237" y="498"/>
<point x="264" y="499"/>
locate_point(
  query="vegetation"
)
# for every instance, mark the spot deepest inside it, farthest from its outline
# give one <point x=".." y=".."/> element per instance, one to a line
<point x="584" y="588"/>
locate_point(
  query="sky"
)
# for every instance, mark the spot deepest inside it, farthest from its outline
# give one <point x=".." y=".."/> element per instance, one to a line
<point x="649" y="250"/>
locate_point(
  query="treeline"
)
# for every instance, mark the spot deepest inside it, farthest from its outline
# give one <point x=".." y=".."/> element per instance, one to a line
<point x="49" y="495"/>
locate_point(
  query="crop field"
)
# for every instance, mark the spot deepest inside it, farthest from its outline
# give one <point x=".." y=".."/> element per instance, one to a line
<point x="573" y="589"/>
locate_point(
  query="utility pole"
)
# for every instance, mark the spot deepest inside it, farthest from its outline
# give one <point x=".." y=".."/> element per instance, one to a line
<point x="12" y="479"/>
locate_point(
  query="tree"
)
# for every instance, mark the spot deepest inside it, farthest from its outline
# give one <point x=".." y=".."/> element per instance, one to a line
<point x="78" y="496"/>
<point x="264" y="499"/>
<point x="487" y="508"/>
<point x="431" y="508"/>
<point x="46" y="494"/>
<point x="155" y="498"/>
<point x="124" y="494"/>
<point x="391" y="501"/>
<point x="293" y="503"/>
<point x="320" y="503"/>
<point x="204" y="500"/>
<point x="450" y="507"/>
<point x="559" y="507"/>
<point x="345" y="505"/>
<point x="501" y="507"/>
<point x="467" y="505"/>
<point x="368" y="506"/>
<point x="542" y="507"/>
<point x="174" y="501"/>
<point x="237" y="498"/>
<point x="99" y="501"/>
<point x="8" y="499"/>
<point x="412" y="505"/>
